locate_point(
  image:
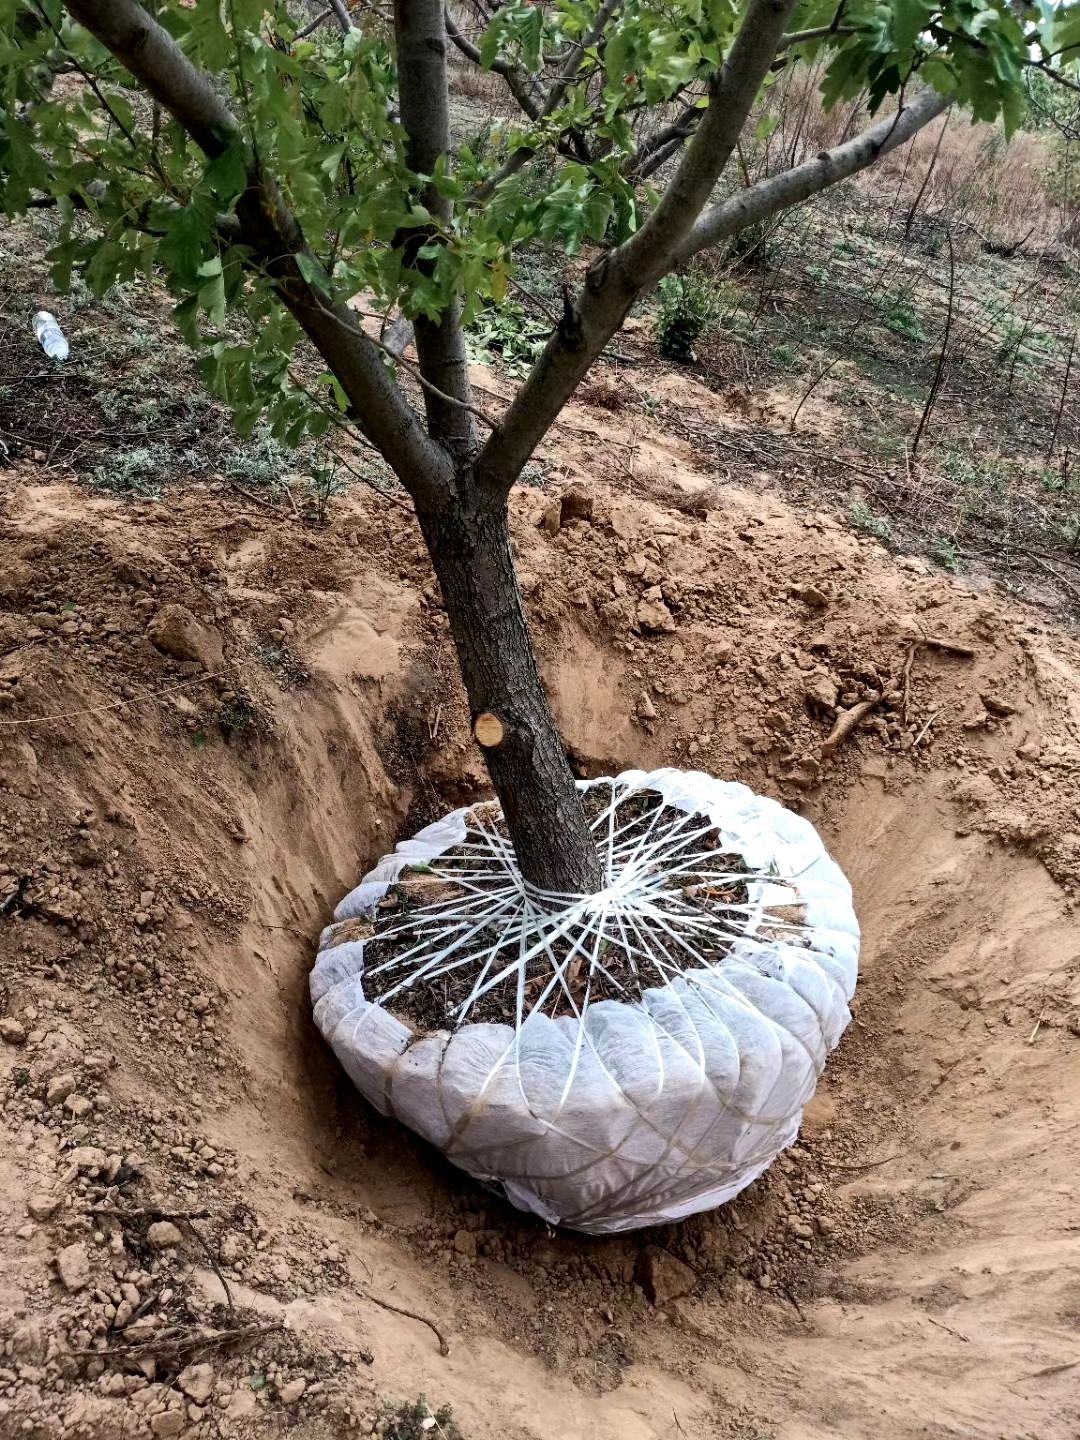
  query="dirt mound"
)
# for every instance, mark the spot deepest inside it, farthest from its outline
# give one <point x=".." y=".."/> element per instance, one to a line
<point x="212" y="720"/>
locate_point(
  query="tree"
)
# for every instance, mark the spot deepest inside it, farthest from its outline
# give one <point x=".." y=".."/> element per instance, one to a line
<point x="277" y="166"/>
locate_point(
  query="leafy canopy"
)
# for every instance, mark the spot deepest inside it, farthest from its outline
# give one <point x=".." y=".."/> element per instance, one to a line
<point x="317" y="111"/>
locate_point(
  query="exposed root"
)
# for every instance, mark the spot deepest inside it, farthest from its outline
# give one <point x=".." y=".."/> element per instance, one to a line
<point x="847" y="723"/>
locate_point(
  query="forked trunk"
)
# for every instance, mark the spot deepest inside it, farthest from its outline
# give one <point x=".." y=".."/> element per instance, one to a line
<point x="469" y="541"/>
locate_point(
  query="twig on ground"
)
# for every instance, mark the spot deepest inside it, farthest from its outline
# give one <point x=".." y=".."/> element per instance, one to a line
<point x="121" y="704"/>
<point x="920" y="736"/>
<point x="1061" y="401"/>
<point x="905" y="679"/>
<point x="186" y="1217"/>
<point x="1062" y="580"/>
<point x="292" y="500"/>
<point x="946" y="1072"/>
<point x="189" y="1342"/>
<point x="1052" y="1370"/>
<point x="444" y="1344"/>
<point x="867" y="1164"/>
<point x="148" y="1212"/>
<point x="256" y="499"/>
<point x="942" y="1326"/>
<point x="949" y="647"/>
<point x="212" y="1260"/>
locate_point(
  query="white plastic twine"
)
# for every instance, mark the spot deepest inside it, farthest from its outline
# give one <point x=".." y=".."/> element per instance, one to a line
<point x="619" y="1112"/>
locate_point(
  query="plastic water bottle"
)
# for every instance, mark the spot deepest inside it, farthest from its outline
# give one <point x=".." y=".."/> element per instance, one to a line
<point x="50" y="337"/>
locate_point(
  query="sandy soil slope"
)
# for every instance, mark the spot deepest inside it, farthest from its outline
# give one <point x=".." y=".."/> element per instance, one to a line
<point x="212" y="719"/>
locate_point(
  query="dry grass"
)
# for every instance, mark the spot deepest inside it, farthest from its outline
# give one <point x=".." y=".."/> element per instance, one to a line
<point x="968" y="173"/>
<point x="972" y="173"/>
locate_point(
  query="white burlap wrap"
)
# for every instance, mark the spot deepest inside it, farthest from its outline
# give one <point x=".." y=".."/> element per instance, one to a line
<point x="619" y="1114"/>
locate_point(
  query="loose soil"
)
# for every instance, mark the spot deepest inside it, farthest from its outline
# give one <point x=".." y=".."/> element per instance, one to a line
<point x="215" y="717"/>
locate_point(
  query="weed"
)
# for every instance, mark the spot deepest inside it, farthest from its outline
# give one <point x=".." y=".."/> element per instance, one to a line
<point x="118" y="404"/>
<point x="540" y="272"/>
<point x="820" y="274"/>
<point x="238" y="718"/>
<point x="133" y="474"/>
<point x="985" y="473"/>
<point x="944" y="552"/>
<point x="324" y="484"/>
<point x="536" y="474"/>
<point x="787" y="357"/>
<point x="603" y="393"/>
<point x="751" y="246"/>
<point x="902" y="320"/>
<point x="261" y="462"/>
<point x="1012" y="335"/>
<point x="415" y="1420"/>
<point x="506" y="330"/>
<point x="1059" y="482"/>
<point x="890" y="447"/>
<point x="290" y="672"/>
<point x="687" y="309"/>
<point x="864" y="519"/>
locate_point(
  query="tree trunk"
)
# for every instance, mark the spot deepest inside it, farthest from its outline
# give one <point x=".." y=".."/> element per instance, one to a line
<point x="469" y="540"/>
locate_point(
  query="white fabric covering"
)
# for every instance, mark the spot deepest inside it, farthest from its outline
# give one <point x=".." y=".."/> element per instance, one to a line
<point x="620" y="1114"/>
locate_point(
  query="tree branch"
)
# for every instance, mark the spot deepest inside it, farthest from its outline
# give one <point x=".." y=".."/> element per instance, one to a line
<point x="646" y="161"/>
<point x="517" y="82"/>
<point x="598" y="314"/>
<point x="802" y="37"/>
<point x="779" y="192"/>
<point x="424" y="97"/>
<point x="621" y="275"/>
<point x="566" y="77"/>
<point x="341" y="14"/>
<point x="271" y="232"/>
<point x="667" y="140"/>
<point x="338" y="10"/>
<point x="1054" y="74"/>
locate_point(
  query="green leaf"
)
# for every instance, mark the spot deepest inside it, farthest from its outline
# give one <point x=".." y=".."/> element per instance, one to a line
<point x="184" y="243"/>
<point x="103" y="267"/>
<point x="1064" y="34"/>
<point x="208" y="40"/>
<point x="341" y="400"/>
<point x="309" y="268"/>
<point x="908" y="19"/>
<point x="185" y="317"/>
<point x="599" y="209"/>
<point x="227" y="174"/>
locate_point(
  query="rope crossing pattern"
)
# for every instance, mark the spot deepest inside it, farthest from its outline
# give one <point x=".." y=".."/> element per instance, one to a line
<point x="614" y="1060"/>
<point x="495" y="924"/>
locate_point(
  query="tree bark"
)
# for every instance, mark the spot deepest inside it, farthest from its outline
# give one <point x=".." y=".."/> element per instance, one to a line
<point x="424" y="96"/>
<point x="469" y="542"/>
